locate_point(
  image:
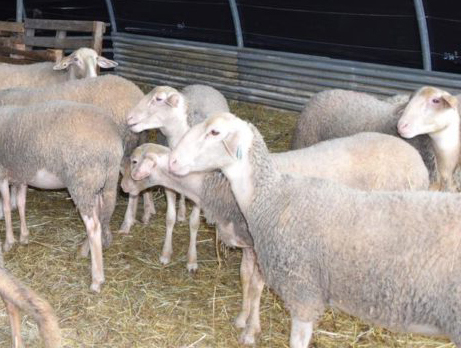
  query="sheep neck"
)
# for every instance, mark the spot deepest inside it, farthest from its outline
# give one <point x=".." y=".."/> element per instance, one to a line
<point x="447" y="147"/>
<point x="254" y="176"/>
<point x="189" y="185"/>
<point x="174" y="131"/>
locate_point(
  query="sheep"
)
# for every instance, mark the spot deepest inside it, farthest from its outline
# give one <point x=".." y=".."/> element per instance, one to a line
<point x="80" y="64"/>
<point x="173" y="112"/>
<point x="435" y="112"/>
<point x="63" y="144"/>
<point x="338" y="113"/>
<point x="110" y="92"/>
<point x="17" y="296"/>
<point x="390" y="258"/>
<point x="360" y="161"/>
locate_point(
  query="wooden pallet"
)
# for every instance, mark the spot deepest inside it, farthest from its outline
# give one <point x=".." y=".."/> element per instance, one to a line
<point x="28" y="42"/>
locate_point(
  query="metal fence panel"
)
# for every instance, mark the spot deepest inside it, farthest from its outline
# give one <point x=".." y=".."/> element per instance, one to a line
<point x="277" y="79"/>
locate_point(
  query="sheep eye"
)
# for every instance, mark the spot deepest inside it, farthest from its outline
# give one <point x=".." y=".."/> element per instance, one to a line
<point x="436" y="100"/>
<point x="134" y="161"/>
<point x="214" y="132"/>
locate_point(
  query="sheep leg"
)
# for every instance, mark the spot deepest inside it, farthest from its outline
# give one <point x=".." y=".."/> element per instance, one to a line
<point x="149" y="207"/>
<point x="94" y="231"/>
<point x="107" y="202"/>
<point x="130" y="214"/>
<point x="22" y="192"/>
<point x="5" y="191"/>
<point x="255" y="290"/>
<point x="194" y="222"/>
<point x="182" y="208"/>
<point x="301" y="333"/>
<point x="13" y="197"/>
<point x="246" y="271"/>
<point x="15" y="324"/>
<point x="167" y="250"/>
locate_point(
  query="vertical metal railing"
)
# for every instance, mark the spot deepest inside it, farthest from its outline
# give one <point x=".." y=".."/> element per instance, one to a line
<point x="19" y="10"/>
<point x="110" y="10"/>
<point x="423" y="34"/>
<point x="237" y="23"/>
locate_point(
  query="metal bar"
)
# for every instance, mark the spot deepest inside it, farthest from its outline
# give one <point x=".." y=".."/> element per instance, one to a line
<point x="110" y="9"/>
<point x="19" y="10"/>
<point x="237" y="24"/>
<point x="423" y="34"/>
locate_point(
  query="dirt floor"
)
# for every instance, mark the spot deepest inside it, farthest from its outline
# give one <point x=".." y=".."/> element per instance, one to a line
<point x="145" y="304"/>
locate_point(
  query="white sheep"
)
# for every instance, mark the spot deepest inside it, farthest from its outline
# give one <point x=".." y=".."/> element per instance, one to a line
<point x="63" y="144"/>
<point x="435" y="112"/>
<point x="338" y="113"/>
<point x="173" y="112"/>
<point x="80" y="64"/>
<point x="360" y="161"/>
<point x="390" y="258"/>
<point x="110" y="92"/>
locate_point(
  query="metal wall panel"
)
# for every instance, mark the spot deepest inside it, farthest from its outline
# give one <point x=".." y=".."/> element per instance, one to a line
<point x="276" y="79"/>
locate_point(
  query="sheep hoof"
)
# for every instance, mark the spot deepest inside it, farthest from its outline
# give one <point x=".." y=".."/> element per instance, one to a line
<point x="241" y="321"/>
<point x="192" y="267"/>
<point x="165" y="260"/>
<point x="125" y="228"/>
<point x="247" y="339"/>
<point x="146" y="218"/>
<point x="24" y="240"/>
<point x="107" y="239"/>
<point x="85" y="249"/>
<point x="8" y="245"/>
<point x="96" y="287"/>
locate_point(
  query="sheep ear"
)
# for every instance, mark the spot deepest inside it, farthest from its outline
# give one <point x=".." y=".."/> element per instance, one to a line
<point x="450" y="101"/>
<point x="233" y="145"/>
<point x="106" y="63"/>
<point x="63" y="63"/>
<point x="173" y="100"/>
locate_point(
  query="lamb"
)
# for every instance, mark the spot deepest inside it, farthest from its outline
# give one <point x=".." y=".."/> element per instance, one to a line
<point x="17" y="296"/>
<point x="80" y="64"/>
<point x="110" y="92"/>
<point x="63" y="144"/>
<point x="173" y="112"/>
<point x="338" y="113"/>
<point x="319" y="244"/>
<point x="360" y="161"/>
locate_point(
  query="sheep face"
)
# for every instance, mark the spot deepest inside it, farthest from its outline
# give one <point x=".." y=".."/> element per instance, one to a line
<point x="158" y="109"/>
<point x="213" y="144"/>
<point x="83" y="63"/>
<point x="430" y="110"/>
<point x="143" y="162"/>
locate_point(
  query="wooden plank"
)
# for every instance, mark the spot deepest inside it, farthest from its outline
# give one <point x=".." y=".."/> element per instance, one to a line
<point x="98" y="31"/>
<point x="35" y="55"/>
<point x="51" y="42"/>
<point x="15" y="60"/>
<point x="54" y="24"/>
<point x="12" y="27"/>
<point x="10" y="41"/>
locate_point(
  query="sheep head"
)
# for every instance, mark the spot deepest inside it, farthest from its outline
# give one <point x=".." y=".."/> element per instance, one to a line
<point x="430" y="110"/>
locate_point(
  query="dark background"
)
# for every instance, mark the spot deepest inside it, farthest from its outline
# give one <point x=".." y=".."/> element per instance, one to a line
<point x="369" y="31"/>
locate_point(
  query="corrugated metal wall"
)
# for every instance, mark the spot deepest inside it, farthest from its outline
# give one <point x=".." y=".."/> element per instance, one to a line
<point x="277" y="79"/>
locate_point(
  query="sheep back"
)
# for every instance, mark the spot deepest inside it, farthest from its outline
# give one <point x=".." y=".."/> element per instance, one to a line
<point x="30" y="75"/>
<point x="365" y="161"/>
<point x="203" y="101"/>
